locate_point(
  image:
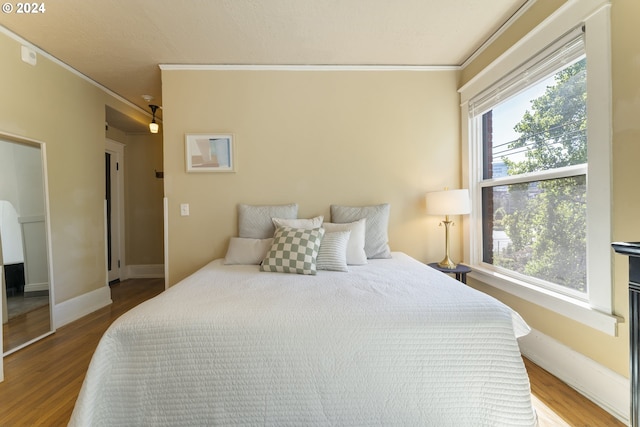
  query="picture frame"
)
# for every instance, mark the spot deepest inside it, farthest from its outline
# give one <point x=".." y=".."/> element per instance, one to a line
<point x="209" y="152"/>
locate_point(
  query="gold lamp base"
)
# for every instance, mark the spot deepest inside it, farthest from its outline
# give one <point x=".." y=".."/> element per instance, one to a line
<point x="447" y="262"/>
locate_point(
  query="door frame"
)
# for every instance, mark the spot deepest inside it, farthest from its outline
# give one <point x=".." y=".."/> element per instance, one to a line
<point x="116" y="149"/>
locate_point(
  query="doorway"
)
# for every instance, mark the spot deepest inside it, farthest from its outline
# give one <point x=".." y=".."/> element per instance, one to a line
<point x="114" y="210"/>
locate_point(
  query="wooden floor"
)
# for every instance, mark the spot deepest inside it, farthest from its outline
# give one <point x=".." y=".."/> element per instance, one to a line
<point x="43" y="380"/>
<point x="25" y="327"/>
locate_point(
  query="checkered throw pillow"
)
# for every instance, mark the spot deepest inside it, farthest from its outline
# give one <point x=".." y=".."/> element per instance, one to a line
<point x="294" y="250"/>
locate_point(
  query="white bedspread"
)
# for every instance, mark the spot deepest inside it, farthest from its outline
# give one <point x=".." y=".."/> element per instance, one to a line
<point x="390" y="343"/>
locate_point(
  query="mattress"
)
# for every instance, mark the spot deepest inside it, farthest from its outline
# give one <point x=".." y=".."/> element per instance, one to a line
<point x="393" y="342"/>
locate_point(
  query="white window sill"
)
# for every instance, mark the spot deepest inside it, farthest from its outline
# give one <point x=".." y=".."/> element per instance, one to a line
<point x="577" y="310"/>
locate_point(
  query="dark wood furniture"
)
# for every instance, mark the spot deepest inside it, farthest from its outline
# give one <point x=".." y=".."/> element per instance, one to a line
<point x="632" y="250"/>
<point x="460" y="271"/>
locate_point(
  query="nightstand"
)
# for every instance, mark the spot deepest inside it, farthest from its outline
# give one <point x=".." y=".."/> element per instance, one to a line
<point x="460" y="271"/>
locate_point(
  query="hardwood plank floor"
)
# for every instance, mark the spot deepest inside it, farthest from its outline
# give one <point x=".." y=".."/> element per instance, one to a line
<point x="25" y="327"/>
<point x="558" y="405"/>
<point x="43" y="380"/>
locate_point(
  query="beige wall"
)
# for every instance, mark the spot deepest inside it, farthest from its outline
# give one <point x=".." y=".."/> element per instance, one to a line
<point x="143" y="196"/>
<point x="611" y="352"/>
<point x="143" y="199"/>
<point x="315" y="138"/>
<point x="48" y="103"/>
<point x="626" y="147"/>
<point x="115" y="134"/>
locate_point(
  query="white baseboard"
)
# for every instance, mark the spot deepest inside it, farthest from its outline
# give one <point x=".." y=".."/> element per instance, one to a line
<point x="36" y="287"/>
<point x="82" y="305"/>
<point x="145" y="271"/>
<point x="75" y="308"/>
<point x="604" y="387"/>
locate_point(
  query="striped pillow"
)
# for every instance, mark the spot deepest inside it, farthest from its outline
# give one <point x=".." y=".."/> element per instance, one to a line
<point x="333" y="251"/>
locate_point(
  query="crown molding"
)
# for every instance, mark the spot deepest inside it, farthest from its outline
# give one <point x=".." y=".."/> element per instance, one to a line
<point x="39" y="51"/>
<point x="253" y="67"/>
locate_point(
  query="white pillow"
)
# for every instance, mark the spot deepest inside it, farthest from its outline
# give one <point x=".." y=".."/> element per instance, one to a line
<point x="333" y="251"/>
<point x="376" y="244"/>
<point x="254" y="221"/>
<point x="298" y="223"/>
<point x="355" y="247"/>
<point x="247" y="251"/>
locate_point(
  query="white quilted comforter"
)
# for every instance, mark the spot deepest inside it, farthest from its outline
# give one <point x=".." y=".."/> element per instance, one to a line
<point x="390" y="343"/>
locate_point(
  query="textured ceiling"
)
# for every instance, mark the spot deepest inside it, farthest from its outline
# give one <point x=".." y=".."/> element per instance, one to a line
<point x="120" y="43"/>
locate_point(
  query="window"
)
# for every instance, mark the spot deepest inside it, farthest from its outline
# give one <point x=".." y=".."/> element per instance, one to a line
<point x="532" y="131"/>
<point x="536" y="157"/>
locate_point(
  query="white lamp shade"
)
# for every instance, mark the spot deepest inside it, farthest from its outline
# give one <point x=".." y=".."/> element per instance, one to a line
<point x="448" y="202"/>
<point x="153" y="127"/>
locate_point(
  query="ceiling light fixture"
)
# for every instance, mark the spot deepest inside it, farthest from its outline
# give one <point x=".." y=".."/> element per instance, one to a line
<point x="153" y="126"/>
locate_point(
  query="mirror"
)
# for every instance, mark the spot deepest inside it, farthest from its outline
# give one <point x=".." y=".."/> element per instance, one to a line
<point x="26" y="296"/>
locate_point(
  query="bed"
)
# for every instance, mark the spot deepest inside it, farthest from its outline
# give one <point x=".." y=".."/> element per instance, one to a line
<point x="390" y="342"/>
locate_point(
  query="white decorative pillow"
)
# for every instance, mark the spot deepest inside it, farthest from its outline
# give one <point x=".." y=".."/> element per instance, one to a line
<point x="254" y="221"/>
<point x="298" y="223"/>
<point x="355" y="247"/>
<point x="376" y="244"/>
<point x="294" y="250"/>
<point x="333" y="251"/>
<point x="247" y="251"/>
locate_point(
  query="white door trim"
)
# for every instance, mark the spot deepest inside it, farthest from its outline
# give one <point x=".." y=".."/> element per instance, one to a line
<point x="117" y="149"/>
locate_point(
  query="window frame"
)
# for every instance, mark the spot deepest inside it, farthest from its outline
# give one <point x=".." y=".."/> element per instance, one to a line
<point x="563" y="53"/>
<point x="552" y="174"/>
<point x="597" y="311"/>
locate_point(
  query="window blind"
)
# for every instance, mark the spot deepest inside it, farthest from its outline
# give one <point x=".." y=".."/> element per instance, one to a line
<point x="569" y="48"/>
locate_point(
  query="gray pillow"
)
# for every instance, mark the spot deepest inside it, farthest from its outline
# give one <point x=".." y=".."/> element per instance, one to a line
<point x="376" y="243"/>
<point x="254" y="221"/>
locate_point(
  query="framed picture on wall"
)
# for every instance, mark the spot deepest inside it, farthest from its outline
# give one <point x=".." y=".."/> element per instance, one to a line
<point x="206" y="152"/>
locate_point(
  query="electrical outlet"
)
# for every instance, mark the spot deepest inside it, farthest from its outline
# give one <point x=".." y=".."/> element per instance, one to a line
<point x="184" y="209"/>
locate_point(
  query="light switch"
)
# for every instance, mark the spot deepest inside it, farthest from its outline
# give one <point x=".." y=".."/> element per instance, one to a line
<point x="184" y="209"/>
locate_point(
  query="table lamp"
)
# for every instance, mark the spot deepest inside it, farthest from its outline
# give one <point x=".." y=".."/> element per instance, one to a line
<point x="448" y="202"/>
